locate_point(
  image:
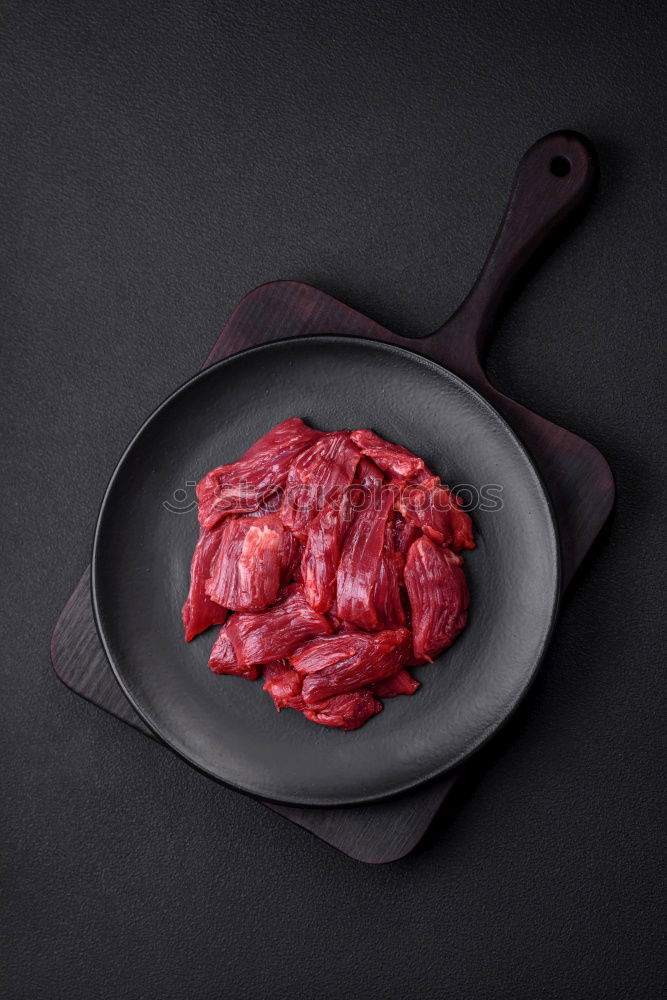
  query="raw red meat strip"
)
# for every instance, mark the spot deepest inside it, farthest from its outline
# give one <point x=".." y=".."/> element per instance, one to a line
<point x="271" y="634"/>
<point x="391" y="458"/>
<point x="361" y="559"/>
<point x="386" y="594"/>
<point x="368" y="475"/>
<point x="290" y="558"/>
<point x="345" y="711"/>
<point x="317" y="479"/>
<point x="321" y="556"/>
<point x="223" y="658"/>
<point x="434" y="509"/>
<point x="241" y="487"/>
<point x="404" y="532"/>
<point x="270" y="505"/>
<point x="283" y="684"/>
<point x="342" y="663"/>
<point x="329" y="650"/>
<point x="250" y="563"/>
<point x="460" y="523"/>
<point x="438" y="593"/>
<point x="199" y="611"/>
<point x="401" y="683"/>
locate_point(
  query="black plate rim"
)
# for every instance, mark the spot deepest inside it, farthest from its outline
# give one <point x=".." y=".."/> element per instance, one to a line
<point x="467" y="751"/>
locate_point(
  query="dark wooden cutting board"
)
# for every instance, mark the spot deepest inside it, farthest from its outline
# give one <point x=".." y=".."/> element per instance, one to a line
<point x="552" y="185"/>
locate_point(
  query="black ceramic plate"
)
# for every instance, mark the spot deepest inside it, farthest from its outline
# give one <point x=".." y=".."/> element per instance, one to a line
<point x="228" y="726"/>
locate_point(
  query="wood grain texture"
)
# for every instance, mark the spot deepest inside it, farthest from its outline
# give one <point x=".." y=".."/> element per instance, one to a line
<point x="552" y="184"/>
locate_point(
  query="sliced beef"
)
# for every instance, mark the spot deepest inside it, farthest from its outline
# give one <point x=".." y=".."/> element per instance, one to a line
<point x="321" y="555"/>
<point x="361" y="561"/>
<point x="367" y="476"/>
<point x="343" y="663"/>
<point x="386" y="595"/>
<point x="436" y="511"/>
<point x="401" y="683"/>
<point x="199" y="611"/>
<point x="250" y="564"/>
<point x="345" y="711"/>
<point x="244" y="486"/>
<point x="269" y="505"/>
<point x="291" y="555"/>
<point x="223" y="657"/>
<point x="438" y="593"/>
<point x="318" y="478"/>
<point x="391" y="458"/>
<point x="404" y="533"/>
<point x="283" y="684"/>
<point x="336" y="553"/>
<point x="247" y="639"/>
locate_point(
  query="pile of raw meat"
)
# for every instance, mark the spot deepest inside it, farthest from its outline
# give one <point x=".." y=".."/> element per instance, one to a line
<point x="337" y="555"/>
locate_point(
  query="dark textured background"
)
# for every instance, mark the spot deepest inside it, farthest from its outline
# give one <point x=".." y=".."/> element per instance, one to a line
<point x="158" y="160"/>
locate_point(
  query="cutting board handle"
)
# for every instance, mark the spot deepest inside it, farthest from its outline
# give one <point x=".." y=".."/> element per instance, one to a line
<point x="553" y="182"/>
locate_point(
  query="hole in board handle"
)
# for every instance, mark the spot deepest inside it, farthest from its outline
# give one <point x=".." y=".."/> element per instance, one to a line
<point x="560" y="166"/>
